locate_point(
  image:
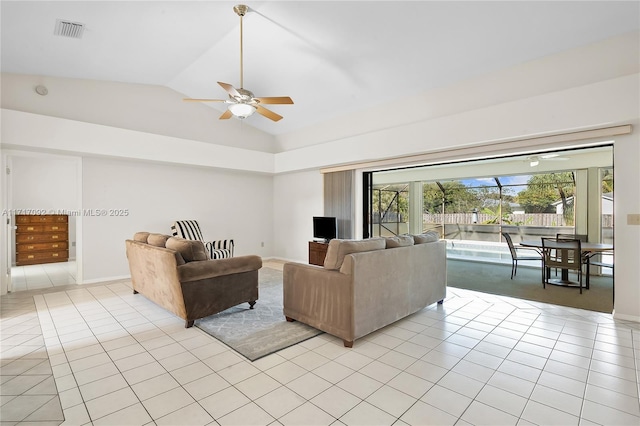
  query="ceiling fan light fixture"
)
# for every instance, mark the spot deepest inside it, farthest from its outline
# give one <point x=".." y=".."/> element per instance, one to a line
<point x="242" y="103"/>
<point x="242" y="110"/>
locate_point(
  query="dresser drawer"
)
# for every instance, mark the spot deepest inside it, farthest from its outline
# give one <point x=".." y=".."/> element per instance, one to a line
<point x="50" y="218"/>
<point x="42" y="257"/>
<point x="29" y="227"/>
<point x="24" y="248"/>
<point x="41" y="238"/>
<point x="49" y="227"/>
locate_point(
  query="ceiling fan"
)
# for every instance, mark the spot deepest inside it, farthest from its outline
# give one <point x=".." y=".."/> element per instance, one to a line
<point x="536" y="159"/>
<point x="242" y="103"/>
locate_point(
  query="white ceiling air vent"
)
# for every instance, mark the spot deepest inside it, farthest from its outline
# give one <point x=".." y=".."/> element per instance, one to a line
<point x="68" y="29"/>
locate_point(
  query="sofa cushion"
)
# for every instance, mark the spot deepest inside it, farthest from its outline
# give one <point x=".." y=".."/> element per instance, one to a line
<point x="157" y="240"/>
<point x="426" y="237"/>
<point x="141" y="237"/>
<point x="339" y="248"/>
<point x="399" y="241"/>
<point x="194" y="271"/>
<point x="189" y="249"/>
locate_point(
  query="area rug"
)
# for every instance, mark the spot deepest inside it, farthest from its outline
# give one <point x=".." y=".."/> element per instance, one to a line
<point x="260" y="331"/>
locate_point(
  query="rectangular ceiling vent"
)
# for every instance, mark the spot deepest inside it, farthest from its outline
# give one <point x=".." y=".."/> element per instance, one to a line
<point x="68" y="29"/>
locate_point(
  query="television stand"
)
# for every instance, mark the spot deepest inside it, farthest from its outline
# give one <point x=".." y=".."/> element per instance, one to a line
<point x="317" y="252"/>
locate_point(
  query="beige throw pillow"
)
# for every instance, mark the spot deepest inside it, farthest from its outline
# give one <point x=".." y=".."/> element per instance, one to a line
<point x="338" y="249"/>
<point x="141" y="237"/>
<point x="399" y="241"/>
<point x="189" y="249"/>
<point x="158" y="240"/>
<point x="427" y="237"/>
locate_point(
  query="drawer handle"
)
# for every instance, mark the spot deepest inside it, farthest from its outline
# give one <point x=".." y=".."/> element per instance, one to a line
<point x="55" y="237"/>
<point x="30" y="247"/>
<point x="54" y="254"/>
<point x="55" y="246"/>
<point x="30" y="238"/>
<point x="29" y="228"/>
<point x="30" y="256"/>
<point x="54" y="228"/>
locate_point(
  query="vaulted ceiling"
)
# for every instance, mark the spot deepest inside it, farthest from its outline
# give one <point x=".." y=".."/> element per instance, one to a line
<point x="332" y="58"/>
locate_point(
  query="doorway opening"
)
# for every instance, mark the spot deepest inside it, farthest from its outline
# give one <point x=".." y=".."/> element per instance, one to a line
<point x="43" y="199"/>
<point x="470" y="204"/>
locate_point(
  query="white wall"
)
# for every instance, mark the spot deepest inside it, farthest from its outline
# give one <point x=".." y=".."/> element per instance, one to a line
<point x="603" y="104"/>
<point x="25" y="130"/>
<point x="226" y="204"/>
<point x="47" y="183"/>
<point x="297" y="197"/>
<point x="626" y="155"/>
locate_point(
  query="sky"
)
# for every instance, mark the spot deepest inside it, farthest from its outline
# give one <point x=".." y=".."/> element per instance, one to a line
<point x="504" y="180"/>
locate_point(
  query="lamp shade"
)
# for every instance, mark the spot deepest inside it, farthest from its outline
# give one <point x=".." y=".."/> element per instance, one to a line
<point x="242" y="110"/>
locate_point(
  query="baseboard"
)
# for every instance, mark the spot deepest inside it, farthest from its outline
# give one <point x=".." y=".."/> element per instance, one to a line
<point x="625" y="317"/>
<point x="106" y="279"/>
<point x="284" y="260"/>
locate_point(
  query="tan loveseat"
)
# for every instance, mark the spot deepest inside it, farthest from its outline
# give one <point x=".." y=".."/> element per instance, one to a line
<point x="366" y="285"/>
<point x="176" y="274"/>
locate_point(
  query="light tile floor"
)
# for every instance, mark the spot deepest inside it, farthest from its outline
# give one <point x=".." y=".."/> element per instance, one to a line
<point x="478" y="359"/>
<point x="46" y="275"/>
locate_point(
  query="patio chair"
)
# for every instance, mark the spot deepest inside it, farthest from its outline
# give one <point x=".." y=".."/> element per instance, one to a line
<point x="515" y="256"/>
<point x="190" y="230"/>
<point x="595" y="259"/>
<point x="583" y="239"/>
<point x="562" y="254"/>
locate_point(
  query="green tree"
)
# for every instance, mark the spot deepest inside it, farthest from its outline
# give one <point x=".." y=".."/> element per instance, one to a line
<point x="545" y="189"/>
<point x="607" y="181"/>
<point x="392" y="198"/>
<point x="457" y="198"/>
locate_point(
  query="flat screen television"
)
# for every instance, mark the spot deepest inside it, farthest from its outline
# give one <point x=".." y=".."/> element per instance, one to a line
<point x="324" y="228"/>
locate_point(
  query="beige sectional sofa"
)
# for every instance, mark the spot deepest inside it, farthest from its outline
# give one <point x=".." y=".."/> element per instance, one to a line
<point x="366" y="284"/>
<point x="178" y="275"/>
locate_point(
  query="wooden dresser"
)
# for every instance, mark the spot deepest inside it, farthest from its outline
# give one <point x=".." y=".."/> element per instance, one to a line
<point x="317" y="252"/>
<point x="42" y="239"/>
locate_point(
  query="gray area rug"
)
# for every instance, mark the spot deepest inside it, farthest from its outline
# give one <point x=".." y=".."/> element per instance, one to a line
<point x="260" y="331"/>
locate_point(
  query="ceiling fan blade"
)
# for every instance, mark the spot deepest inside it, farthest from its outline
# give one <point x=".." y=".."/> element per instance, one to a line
<point x="230" y="89"/>
<point x="203" y="100"/>
<point x="275" y="100"/>
<point x="226" y="115"/>
<point x="267" y="113"/>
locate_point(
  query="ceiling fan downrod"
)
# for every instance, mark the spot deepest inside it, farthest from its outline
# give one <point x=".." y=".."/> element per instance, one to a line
<point x="242" y="103"/>
<point x="241" y="10"/>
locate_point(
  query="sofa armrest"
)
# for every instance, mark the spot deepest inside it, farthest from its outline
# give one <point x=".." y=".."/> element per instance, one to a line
<point x="319" y="297"/>
<point x="203" y="269"/>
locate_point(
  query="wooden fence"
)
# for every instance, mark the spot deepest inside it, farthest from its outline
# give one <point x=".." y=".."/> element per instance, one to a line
<point x="526" y="219"/>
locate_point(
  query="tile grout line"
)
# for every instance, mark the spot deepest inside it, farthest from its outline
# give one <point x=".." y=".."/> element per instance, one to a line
<point x="539" y="314"/>
<point x="31" y="309"/>
<point x="494" y="370"/>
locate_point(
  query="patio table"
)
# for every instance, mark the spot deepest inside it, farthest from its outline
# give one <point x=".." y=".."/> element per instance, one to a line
<point x="586" y="248"/>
